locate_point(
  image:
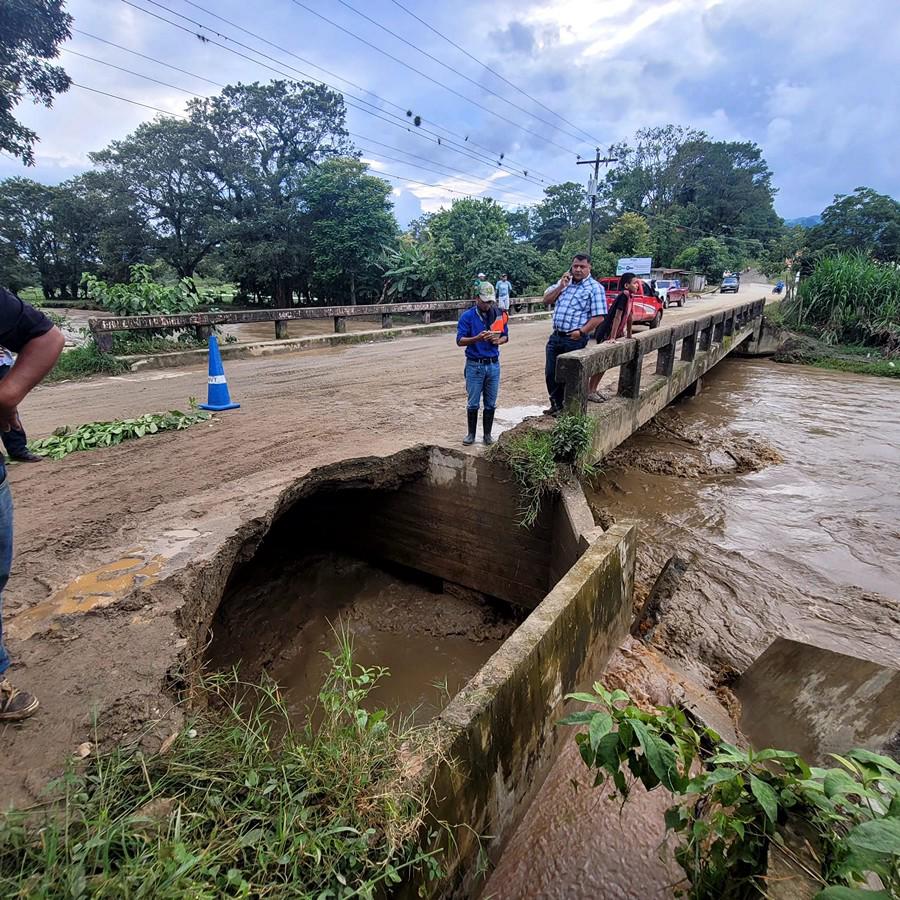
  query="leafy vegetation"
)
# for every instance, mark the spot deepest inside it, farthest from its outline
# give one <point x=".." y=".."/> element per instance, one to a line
<point x="732" y="804"/>
<point x="82" y="362"/>
<point x="66" y="440"/>
<point x="240" y="805"/>
<point x="542" y="461"/>
<point x="30" y="34"/>
<point x="142" y="296"/>
<point x="849" y="298"/>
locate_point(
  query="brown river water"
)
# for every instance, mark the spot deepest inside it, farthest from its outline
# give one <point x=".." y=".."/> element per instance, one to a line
<point x="805" y="547"/>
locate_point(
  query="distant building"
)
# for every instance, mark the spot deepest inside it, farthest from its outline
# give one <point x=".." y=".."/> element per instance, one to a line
<point x="693" y="281"/>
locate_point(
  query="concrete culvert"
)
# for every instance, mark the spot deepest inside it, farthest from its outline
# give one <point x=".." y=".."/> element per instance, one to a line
<point x="419" y="556"/>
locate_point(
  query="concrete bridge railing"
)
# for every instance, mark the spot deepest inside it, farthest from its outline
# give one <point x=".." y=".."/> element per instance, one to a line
<point x="719" y="331"/>
<point x="103" y="329"/>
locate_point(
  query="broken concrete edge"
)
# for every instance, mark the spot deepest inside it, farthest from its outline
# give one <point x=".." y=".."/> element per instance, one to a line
<point x="766" y="340"/>
<point x="295" y="345"/>
<point x="497" y="737"/>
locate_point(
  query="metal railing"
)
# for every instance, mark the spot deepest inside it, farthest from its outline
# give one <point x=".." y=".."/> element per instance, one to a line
<point x="103" y="329"/>
<point x="575" y="369"/>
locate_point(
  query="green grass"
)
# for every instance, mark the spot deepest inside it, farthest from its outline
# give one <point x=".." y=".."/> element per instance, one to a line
<point x="849" y="299"/>
<point x="83" y="362"/>
<point x="881" y="367"/>
<point x="240" y="805"/>
<point x="541" y="461"/>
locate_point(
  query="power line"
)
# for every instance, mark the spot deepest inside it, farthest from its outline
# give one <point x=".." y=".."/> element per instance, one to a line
<point x="403" y="109"/>
<point x="428" y="77"/>
<point x="483" y="185"/>
<point x="354" y="104"/>
<point x="454" y="71"/>
<point x="103" y="62"/>
<point x="144" y="56"/>
<point x="165" y="112"/>
<point x="497" y="74"/>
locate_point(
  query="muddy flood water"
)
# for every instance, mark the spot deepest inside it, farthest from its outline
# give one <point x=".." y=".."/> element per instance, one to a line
<point x="781" y="487"/>
<point x="284" y="613"/>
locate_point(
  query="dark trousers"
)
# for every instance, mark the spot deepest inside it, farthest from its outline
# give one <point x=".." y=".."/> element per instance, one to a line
<point x="15" y="441"/>
<point x="557" y="344"/>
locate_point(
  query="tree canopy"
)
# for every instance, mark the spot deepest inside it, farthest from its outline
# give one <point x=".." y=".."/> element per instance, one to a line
<point x="30" y="34"/>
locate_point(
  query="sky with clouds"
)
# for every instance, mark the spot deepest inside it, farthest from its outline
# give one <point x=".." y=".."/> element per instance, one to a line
<point x="814" y="84"/>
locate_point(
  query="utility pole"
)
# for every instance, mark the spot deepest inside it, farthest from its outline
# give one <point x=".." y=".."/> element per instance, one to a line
<point x="592" y="187"/>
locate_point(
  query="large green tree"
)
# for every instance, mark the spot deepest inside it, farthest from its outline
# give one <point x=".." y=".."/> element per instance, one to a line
<point x="30" y="34"/>
<point x="629" y="235"/>
<point x="261" y="141"/>
<point x="350" y="223"/>
<point x="709" y="256"/>
<point x="52" y="229"/>
<point x="864" y="220"/>
<point x="163" y="170"/>
<point x="564" y="208"/>
<point x="457" y="238"/>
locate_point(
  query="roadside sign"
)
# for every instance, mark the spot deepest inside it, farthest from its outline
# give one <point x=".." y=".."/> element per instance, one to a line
<point x="640" y="265"/>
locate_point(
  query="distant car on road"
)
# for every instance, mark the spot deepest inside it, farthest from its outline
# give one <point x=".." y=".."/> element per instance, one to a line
<point x="730" y="285"/>
<point x="646" y="310"/>
<point x="671" y="293"/>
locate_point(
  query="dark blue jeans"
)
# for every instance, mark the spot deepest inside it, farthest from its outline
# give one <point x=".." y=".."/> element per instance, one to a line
<point x="6" y="544"/>
<point x="482" y="380"/>
<point x="557" y="344"/>
<point x="15" y="441"/>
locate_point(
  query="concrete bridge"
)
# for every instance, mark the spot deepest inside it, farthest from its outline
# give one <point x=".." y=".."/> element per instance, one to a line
<point x="655" y="368"/>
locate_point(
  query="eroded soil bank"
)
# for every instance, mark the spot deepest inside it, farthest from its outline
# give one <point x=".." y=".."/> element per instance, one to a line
<point x="778" y="486"/>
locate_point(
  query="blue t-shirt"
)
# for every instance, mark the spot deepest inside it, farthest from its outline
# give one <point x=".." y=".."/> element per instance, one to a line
<point x="473" y="322"/>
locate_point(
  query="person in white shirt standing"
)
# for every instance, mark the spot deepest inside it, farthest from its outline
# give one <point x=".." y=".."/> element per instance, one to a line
<point x="503" y="289"/>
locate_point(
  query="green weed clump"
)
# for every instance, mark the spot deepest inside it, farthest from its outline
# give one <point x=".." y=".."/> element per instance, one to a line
<point x="849" y="298"/>
<point x="731" y="806"/>
<point x="240" y="805"/>
<point x="82" y="362"/>
<point x="542" y="461"/>
<point x="66" y="440"/>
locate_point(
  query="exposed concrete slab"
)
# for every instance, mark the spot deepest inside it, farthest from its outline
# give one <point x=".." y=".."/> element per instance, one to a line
<point x="816" y="702"/>
<point x="765" y="341"/>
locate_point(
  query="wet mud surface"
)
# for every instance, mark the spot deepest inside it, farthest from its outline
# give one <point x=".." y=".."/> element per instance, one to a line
<point x="778" y="486"/>
<point x="285" y="619"/>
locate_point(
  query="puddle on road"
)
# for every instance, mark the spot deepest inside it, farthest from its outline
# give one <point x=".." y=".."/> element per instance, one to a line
<point x="509" y="416"/>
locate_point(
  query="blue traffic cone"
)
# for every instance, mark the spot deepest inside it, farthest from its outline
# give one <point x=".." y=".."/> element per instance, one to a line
<point x="217" y="395"/>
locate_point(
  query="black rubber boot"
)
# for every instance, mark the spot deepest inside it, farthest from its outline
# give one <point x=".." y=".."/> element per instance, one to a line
<point x="488" y="424"/>
<point x="473" y="425"/>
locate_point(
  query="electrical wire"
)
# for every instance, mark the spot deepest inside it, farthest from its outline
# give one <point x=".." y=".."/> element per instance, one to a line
<point x="482" y="184"/>
<point x="524" y="93"/>
<point x="454" y="71"/>
<point x="165" y="112"/>
<point x="428" y="77"/>
<point x="519" y="173"/>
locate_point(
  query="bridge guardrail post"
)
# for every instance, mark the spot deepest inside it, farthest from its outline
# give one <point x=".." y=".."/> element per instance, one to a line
<point x="630" y="375"/>
<point x="340" y="325"/>
<point x="729" y="322"/>
<point x="689" y="344"/>
<point x="704" y="339"/>
<point x="426" y="317"/>
<point x="202" y="332"/>
<point x="281" y="329"/>
<point x="718" y="331"/>
<point x="665" y="357"/>
<point x="103" y="340"/>
<point x="386" y="320"/>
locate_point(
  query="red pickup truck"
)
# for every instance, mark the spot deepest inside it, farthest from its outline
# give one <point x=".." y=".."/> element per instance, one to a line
<point x="671" y="292"/>
<point x="645" y="309"/>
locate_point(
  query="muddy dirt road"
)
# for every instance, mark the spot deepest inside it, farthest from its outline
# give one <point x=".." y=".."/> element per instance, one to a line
<point x="134" y="514"/>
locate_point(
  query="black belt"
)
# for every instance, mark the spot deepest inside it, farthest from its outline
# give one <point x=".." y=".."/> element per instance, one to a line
<point x="484" y="360"/>
<point x="567" y="333"/>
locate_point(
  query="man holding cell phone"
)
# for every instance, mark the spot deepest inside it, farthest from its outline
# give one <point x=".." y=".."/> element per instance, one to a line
<point x="579" y="306"/>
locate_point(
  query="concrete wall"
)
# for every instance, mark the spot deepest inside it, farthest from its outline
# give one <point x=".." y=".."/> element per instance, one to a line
<point x="497" y="737"/>
<point x="459" y="522"/>
<point x="766" y="340"/>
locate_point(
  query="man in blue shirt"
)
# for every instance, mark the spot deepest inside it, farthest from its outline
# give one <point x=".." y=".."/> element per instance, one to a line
<point x="481" y="330"/>
<point x="579" y="305"/>
<point x="503" y="289"/>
